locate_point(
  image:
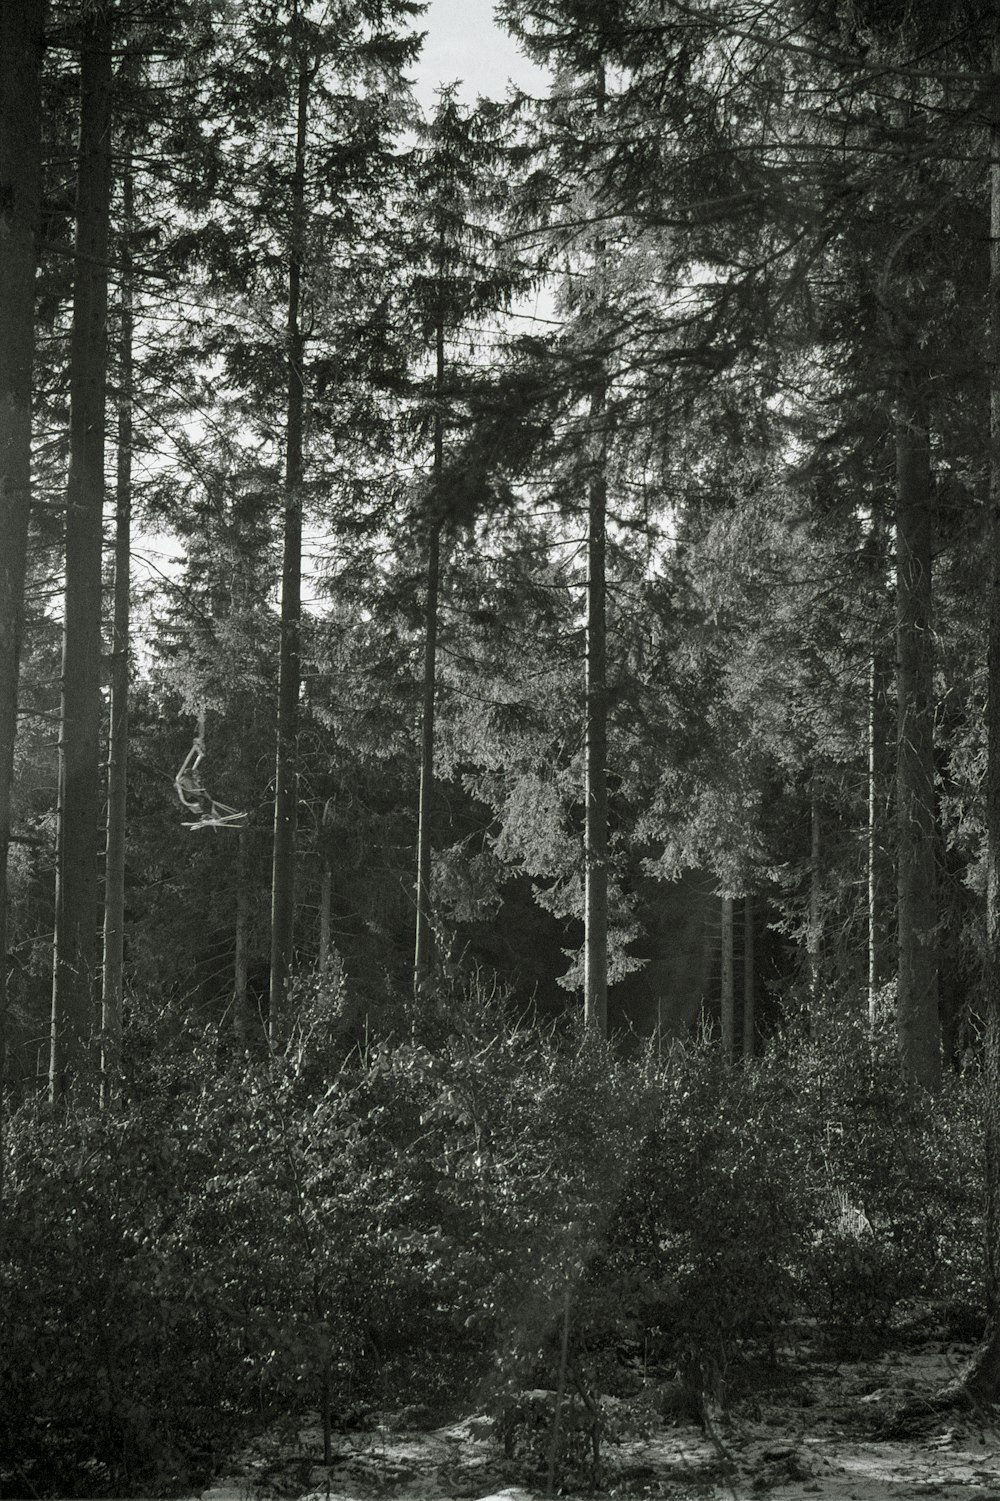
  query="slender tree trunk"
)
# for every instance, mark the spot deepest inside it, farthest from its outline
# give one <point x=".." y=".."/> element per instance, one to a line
<point x="873" y="836"/>
<point x="918" y="1027"/>
<point x="595" y="938"/>
<point x="881" y="737"/>
<point x="423" y="956"/>
<point x="983" y="1376"/>
<point x="595" y="873"/>
<point x="749" y="979"/>
<point x="728" y="981"/>
<point x="814" y="934"/>
<point x="289" y="672"/>
<point x="243" y="1025"/>
<point x="72" y="1067"/>
<point x="325" y="916"/>
<point x="423" y="947"/>
<point x="21" y="28"/>
<point x="114" y="862"/>
<point x="424" y="942"/>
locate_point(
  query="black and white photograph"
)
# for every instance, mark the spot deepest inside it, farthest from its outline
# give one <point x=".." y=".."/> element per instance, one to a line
<point x="499" y="750"/>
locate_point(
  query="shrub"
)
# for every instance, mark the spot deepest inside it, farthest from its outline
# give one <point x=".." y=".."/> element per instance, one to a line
<point x="712" y="1219"/>
<point x="897" y="1184"/>
<point x="119" y="1354"/>
<point x="237" y="1245"/>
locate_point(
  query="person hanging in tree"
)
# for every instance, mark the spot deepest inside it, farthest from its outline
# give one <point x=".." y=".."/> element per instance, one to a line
<point x="189" y="784"/>
<point x="194" y="795"/>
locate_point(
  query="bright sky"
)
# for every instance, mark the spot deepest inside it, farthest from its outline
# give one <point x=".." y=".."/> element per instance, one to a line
<point x="463" y="42"/>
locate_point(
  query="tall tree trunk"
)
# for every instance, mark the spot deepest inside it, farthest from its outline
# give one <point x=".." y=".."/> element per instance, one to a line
<point x="918" y="1027"/>
<point x="21" y="28"/>
<point x="286" y="767"/>
<point x="983" y="1376"/>
<point x="243" y="1022"/>
<point x="325" y="916"/>
<point x="114" y="861"/>
<point x="749" y="979"/>
<point x="424" y="940"/>
<point x="727" y="985"/>
<point x="595" y="937"/>
<point x="873" y="836"/>
<point x="595" y="864"/>
<point x="881" y="736"/>
<point x="814" y="933"/>
<point x="71" y="1065"/>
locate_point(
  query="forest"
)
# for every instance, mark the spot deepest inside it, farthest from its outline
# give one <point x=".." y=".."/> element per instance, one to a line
<point x="499" y="727"/>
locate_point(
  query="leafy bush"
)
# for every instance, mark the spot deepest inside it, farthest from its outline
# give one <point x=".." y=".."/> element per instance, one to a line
<point x="121" y="1350"/>
<point x="897" y="1184"/>
<point x="499" y="1212"/>
<point x="713" y="1218"/>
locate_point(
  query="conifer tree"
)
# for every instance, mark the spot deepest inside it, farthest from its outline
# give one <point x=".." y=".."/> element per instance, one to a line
<point x="593" y="218"/>
<point x="454" y="281"/>
<point x="309" y="103"/>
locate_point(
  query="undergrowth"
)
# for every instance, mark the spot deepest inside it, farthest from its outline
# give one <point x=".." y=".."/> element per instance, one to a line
<point x="236" y="1244"/>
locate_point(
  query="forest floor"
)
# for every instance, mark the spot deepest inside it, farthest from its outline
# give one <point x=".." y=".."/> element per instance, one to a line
<point x="809" y="1429"/>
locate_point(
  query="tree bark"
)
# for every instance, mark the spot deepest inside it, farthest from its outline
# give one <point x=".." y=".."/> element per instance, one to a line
<point x="289" y="670"/>
<point x="114" y="860"/>
<point x="71" y="1066"/>
<point x="21" y="29"/>
<point x="595" y="938"/>
<point x="982" y="1379"/>
<point x="424" y="939"/>
<point x="879" y="777"/>
<point x="873" y="965"/>
<point x="325" y="916"/>
<point x="243" y="1022"/>
<point x="814" y="933"/>
<point x="728" y="982"/>
<point x="918" y="1028"/>
<point x="595" y="897"/>
<point x="749" y="980"/>
<point x="423" y="956"/>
